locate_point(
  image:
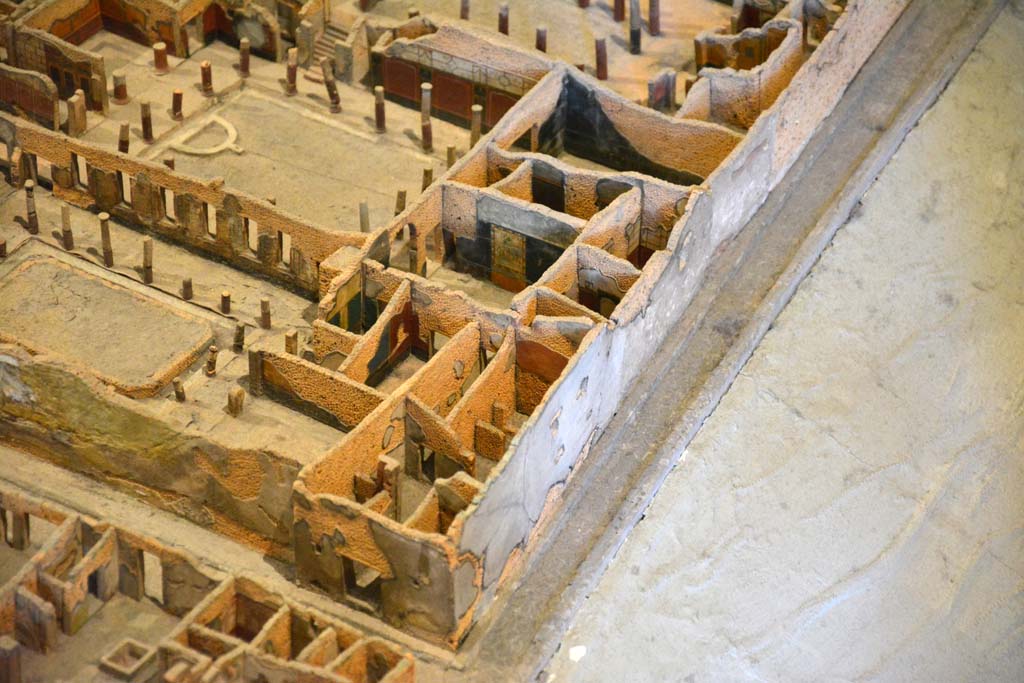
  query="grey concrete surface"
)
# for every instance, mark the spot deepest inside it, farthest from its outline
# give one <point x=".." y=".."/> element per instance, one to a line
<point x="854" y="509"/>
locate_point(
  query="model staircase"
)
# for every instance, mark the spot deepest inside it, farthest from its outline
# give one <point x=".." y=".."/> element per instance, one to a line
<point x="325" y="45"/>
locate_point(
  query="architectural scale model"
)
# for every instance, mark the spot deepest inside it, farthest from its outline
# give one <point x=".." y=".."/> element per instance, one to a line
<point x="354" y="285"/>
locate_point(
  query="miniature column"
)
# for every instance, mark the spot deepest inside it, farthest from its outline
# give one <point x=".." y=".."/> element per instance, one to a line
<point x="464" y="10"/>
<point x="239" y="341"/>
<point x="503" y="18"/>
<point x="147" y="121"/>
<point x="211" y="362"/>
<point x="21" y="533"/>
<point x="108" y="250"/>
<point x="206" y="72"/>
<point x="327" y="69"/>
<point x="77" y="116"/>
<point x="535" y="137"/>
<point x="32" y="222"/>
<point x="293" y="70"/>
<point x="160" y="57"/>
<point x="601" y="57"/>
<point x="265" y="313"/>
<point x="654" y="17"/>
<point x="225" y="302"/>
<point x="541" y="42"/>
<point x="477" y="117"/>
<point x="255" y="372"/>
<point x="10" y="659"/>
<point x="147" y="260"/>
<point x="236" y="400"/>
<point x="364" y="217"/>
<point x="120" y="87"/>
<point x="243" y="57"/>
<point x="3" y="248"/>
<point x="176" y="105"/>
<point x="430" y="346"/>
<point x="124" y="138"/>
<point x="634" y="27"/>
<point x="451" y="155"/>
<point x="67" y="238"/>
<point x="413" y="251"/>
<point x="400" y="202"/>
<point x="186" y="289"/>
<point x="378" y="108"/>
<point x="291" y="342"/>
<point x="179" y="390"/>
<point x="426" y="90"/>
<point x="619" y="12"/>
<point x="428" y="178"/>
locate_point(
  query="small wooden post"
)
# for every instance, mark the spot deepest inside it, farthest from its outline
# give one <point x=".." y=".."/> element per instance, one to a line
<point x="206" y="71"/>
<point x="108" y="249"/>
<point x="160" y="57"/>
<point x="477" y="117"/>
<point x="243" y="57"/>
<point x="147" y="260"/>
<point x="67" y="238"/>
<point x="601" y="57"/>
<point x="211" y="362"/>
<point x="291" y="342"/>
<point x="426" y="91"/>
<point x="364" y="217"/>
<point x="265" y="313"/>
<point x="32" y="221"/>
<point x="236" y="400"/>
<point x="176" y="105"/>
<point x="378" y="108"/>
<point x="503" y="18"/>
<point x="124" y="138"/>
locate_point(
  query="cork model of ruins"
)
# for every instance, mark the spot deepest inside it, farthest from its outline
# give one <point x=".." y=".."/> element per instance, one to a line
<point x="356" y="286"/>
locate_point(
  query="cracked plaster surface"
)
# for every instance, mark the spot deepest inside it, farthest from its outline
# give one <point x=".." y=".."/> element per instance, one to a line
<point x="854" y="509"/>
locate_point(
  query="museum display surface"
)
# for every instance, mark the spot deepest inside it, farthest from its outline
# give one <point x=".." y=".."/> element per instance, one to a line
<point x="338" y="296"/>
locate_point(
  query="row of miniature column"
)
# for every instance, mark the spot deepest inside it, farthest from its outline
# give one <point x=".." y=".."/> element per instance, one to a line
<point x="107" y="251"/>
<point x="426" y="104"/>
<point x="236" y="395"/>
<point x="67" y="237"/>
<point x="618" y="13"/>
<point x="327" y="66"/>
<point x="68" y="240"/>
